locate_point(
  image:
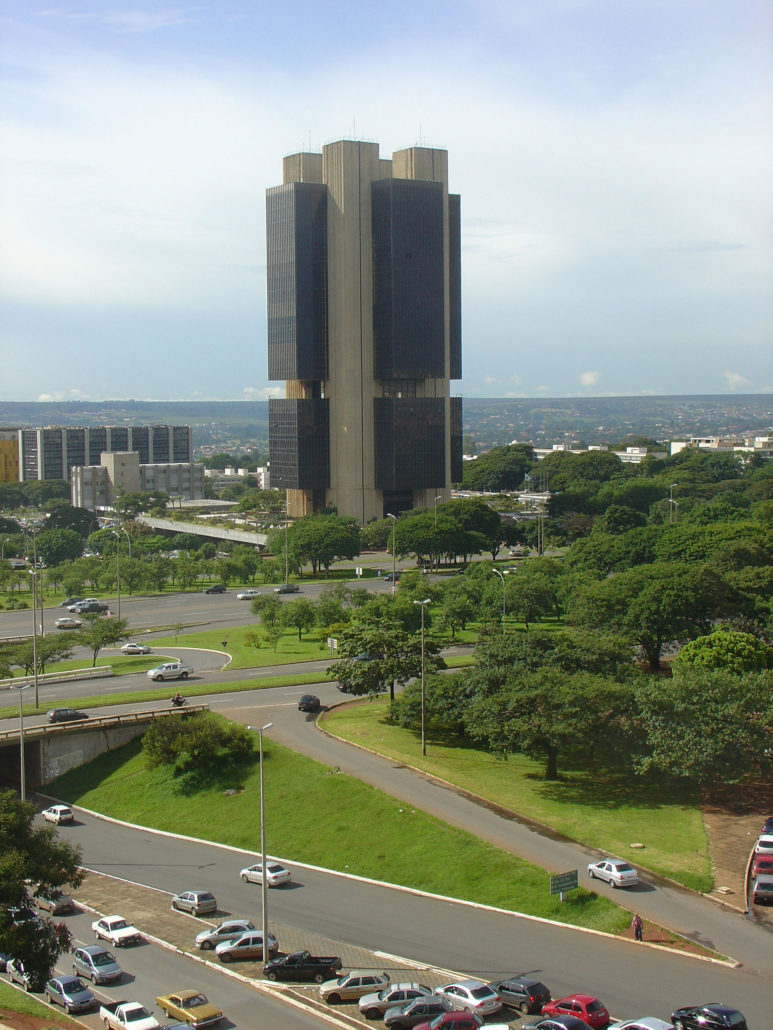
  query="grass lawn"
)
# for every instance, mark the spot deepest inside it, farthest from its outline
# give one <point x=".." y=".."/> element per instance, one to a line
<point x="245" y="655"/>
<point x="14" y="1000"/>
<point x="316" y="814"/>
<point x="599" y="807"/>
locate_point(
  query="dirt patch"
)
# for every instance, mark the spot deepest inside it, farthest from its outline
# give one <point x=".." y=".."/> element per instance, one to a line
<point x="18" y="1021"/>
<point x="733" y="819"/>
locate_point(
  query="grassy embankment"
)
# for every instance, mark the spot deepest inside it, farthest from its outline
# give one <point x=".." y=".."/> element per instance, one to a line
<point x="15" y="1000"/>
<point x="602" y="807"/>
<point x="361" y="831"/>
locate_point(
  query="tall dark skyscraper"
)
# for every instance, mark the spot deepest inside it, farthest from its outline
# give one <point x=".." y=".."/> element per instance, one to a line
<point x="364" y="326"/>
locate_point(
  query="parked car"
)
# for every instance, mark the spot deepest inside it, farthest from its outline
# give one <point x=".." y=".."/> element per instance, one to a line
<point x="708" y="1017"/>
<point x="767" y="826"/>
<point x="96" y="964"/>
<point x="391" y="577"/>
<point x="54" y="901"/>
<point x="614" y="871"/>
<point x="83" y="600"/>
<point x="66" y="715"/>
<point x="191" y="1007"/>
<point x="197" y="903"/>
<point x="351" y="986"/>
<point x="58" y="813"/>
<point x="418" y="1011"/>
<point x="459" y="1021"/>
<point x="309" y="703"/>
<point x="71" y="993"/>
<point x="134" y="648"/>
<point x="523" y="993"/>
<point x="276" y="874"/>
<point x="762" y="891"/>
<point x="764" y="845"/>
<point x="373" y="1006"/>
<point x="247" y="945"/>
<point x="170" y="671"/>
<point x="228" y="930"/>
<point x="473" y="995"/>
<point x="762" y="865"/>
<point x="585" y="1007"/>
<point x="88" y="608"/>
<point x="248" y="595"/>
<point x="17" y="974"/>
<point x="69" y="601"/>
<point x="303" y="967"/>
<point x="68" y="622"/>
<point x="115" y="930"/>
<point x="215" y="588"/>
<point x="287" y="588"/>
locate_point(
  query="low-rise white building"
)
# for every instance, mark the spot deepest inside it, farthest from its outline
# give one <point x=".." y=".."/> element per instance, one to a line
<point x="96" y="487"/>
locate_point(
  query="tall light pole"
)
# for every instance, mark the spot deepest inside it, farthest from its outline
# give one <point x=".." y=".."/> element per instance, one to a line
<point x="22" y="774"/>
<point x="264" y="873"/>
<point x="34" y="573"/>
<point x="394" y="556"/>
<point x="501" y="576"/>
<point x="422" y="605"/>
<point x="118" y="569"/>
<point x="672" y="504"/>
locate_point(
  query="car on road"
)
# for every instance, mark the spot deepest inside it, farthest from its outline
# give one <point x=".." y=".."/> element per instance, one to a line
<point x="190" y="1007"/>
<point x="248" y="595"/>
<point x="228" y="930"/>
<point x="71" y="993"/>
<point x="473" y="995"/>
<point x="83" y="600"/>
<point x="373" y="1006"/>
<point x="713" y="1016"/>
<point x="17" y="974"/>
<point x="585" y="1007"/>
<point x="391" y="577"/>
<point x="96" y="964"/>
<point x="276" y="874"/>
<point x="134" y="648"/>
<point x="247" y="945"/>
<point x="762" y="891"/>
<point x="614" y="871"/>
<point x="116" y="931"/>
<point x="764" y="845"/>
<point x="58" y="814"/>
<point x="351" y="986"/>
<point x="309" y="703"/>
<point x="66" y="715"/>
<point x="68" y="622"/>
<point x="523" y="993"/>
<point x="54" y="901"/>
<point x="88" y="608"/>
<point x="69" y="601"/>
<point x="419" y="1010"/>
<point x="215" y="588"/>
<point x="287" y="588"/>
<point x="170" y="671"/>
<point x="197" y="903"/>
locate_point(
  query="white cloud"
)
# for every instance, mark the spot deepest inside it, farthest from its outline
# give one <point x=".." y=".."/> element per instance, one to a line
<point x="589" y="378"/>
<point x="735" y="381"/>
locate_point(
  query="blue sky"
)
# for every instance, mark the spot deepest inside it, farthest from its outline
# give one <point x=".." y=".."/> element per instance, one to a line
<point x="614" y="158"/>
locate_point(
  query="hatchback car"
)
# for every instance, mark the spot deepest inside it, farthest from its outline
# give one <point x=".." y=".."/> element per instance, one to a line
<point x="351" y="986"/>
<point x="420" y="1010"/>
<point x="66" y="715"/>
<point x="96" y="963"/>
<point x="248" y="945"/>
<point x="708" y="1017"/>
<point x="55" y="902"/>
<point x="373" y="1006"/>
<point x="762" y="891"/>
<point x="764" y="845"/>
<point x="68" y="622"/>
<point x="523" y="993"/>
<point x="58" y="813"/>
<point x="134" y="648"/>
<point x="614" y="871"/>
<point x="170" y="671"/>
<point x="583" y="1006"/>
<point x="276" y="874"/>
<point x="70" y="993"/>
<point x="473" y="995"/>
<point x="197" y="903"/>
<point x="17" y="974"/>
<point x="215" y="588"/>
<point x="287" y="588"/>
<point x="226" y="931"/>
<point x="308" y="703"/>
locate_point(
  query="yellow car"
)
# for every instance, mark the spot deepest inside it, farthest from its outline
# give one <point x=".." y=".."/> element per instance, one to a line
<point x="191" y="1007"/>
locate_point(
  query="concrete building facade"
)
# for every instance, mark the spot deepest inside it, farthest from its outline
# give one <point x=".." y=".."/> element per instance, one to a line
<point x="96" y="486"/>
<point x="364" y="327"/>
<point x="9" y="456"/>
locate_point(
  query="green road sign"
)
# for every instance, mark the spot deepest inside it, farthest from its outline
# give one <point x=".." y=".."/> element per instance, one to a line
<point x="562" y="882"/>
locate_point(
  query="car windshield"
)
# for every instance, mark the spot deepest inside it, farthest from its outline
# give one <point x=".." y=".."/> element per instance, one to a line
<point x="102" y="958"/>
<point x="595" y="1005"/>
<point x="623" y="867"/>
<point x="197" y="999"/>
<point x="735" y="1019"/>
<point x="205" y="897"/>
<point x="74" y="986"/>
<point x="134" y="1014"/>
<point x="118" y="924"/>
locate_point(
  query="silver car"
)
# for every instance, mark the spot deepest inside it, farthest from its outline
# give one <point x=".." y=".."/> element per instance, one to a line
<point x="96" y="963"/>
<point x="70" y="993"/>
<point x="227" y="931"/>
<point x="170" y="671"/>
<point x="373" y="1006"/>
<point x="615" y="871"/>
<point x="198" y="903"/>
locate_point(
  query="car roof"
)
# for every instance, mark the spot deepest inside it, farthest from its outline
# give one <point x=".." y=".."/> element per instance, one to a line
<point x="94" y="949"/>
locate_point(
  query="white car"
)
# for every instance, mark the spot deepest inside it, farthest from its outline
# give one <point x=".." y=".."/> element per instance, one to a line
<point x="58" y="814"/>
<point x="132" y="648"/>
<point x="248" y="595"/>
<point x="614" y="871"/>
<point x="170" y="671"/>
<point x="276" y="874"/>
<point x="116" y="931"/>
<point x="68" y="622"/>
<point x="764" y="845"/>
<point x="473" y="995"/>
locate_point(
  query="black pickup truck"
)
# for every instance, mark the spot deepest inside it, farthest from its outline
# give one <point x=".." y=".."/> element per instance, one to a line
<point x="300" y="965"/>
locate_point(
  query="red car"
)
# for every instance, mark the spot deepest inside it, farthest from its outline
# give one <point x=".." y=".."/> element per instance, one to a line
<point x="582" y="1006"/>
<point x="763" y="865"/>
<point x="452" y="1021"/>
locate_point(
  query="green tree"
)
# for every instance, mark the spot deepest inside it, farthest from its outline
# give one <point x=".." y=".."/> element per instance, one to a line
<point x="267" y="608"/>
<point x="298" y="614"/>
<point x="48" y="649"/>
<point x="320" y="540"/>
<point x="726" y="649"/>
<point x="197" y="745"/>
<point x="59" y="545"/>
<point x="98" y="632"/>
<point x="63" y="515"/>
<point x="500" y="469"/>
<point x="375" y="656"/>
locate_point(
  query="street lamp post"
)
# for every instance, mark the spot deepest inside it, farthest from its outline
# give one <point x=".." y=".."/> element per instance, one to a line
<point x="672" y="504"/>
<point x="394" y="556"/>
<point x="501" y="576"/>
<point x="422" y="605"/>
<point x="34" y="573"/>
<point x="22" y="773"/>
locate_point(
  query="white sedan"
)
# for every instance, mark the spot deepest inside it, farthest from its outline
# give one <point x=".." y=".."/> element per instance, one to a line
<point x="616" y="872"/>
<point x="68" y="622"/>
<point x="116" y="931"/>
<point x="58" y="814"/>
<point x="132" y="648"/>
<point x="276" y="874"/>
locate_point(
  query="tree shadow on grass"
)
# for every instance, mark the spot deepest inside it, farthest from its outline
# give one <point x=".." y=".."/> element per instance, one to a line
<point x="224" y="776"/>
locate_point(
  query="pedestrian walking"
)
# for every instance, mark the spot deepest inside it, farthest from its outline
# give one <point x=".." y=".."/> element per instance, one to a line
<point x="638" y="926"/>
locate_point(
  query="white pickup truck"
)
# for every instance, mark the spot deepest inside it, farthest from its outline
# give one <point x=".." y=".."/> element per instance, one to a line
<point x="127" y="1015"/>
